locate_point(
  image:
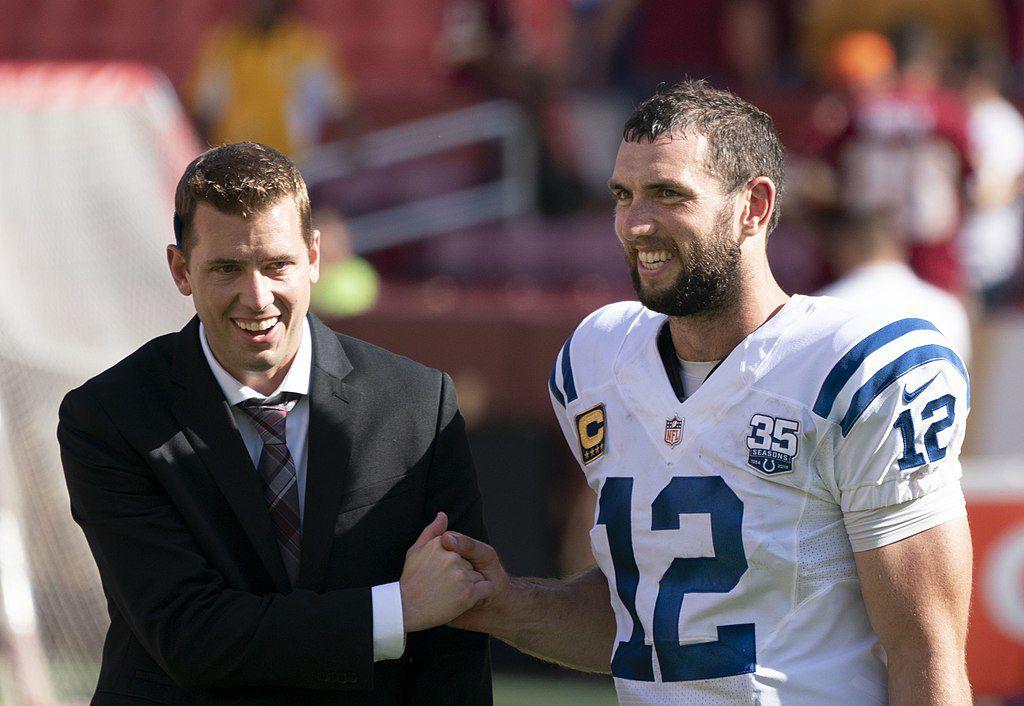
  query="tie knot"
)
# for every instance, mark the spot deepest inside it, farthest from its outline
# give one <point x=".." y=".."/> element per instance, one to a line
<point x="269" y="418"/>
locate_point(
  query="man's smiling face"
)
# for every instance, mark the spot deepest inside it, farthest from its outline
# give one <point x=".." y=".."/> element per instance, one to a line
<point x="675" y="223"/>
<point x="250" y="278"/>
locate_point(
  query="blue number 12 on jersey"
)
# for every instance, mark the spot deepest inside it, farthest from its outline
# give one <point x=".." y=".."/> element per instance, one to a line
<point x="734" y="652"/>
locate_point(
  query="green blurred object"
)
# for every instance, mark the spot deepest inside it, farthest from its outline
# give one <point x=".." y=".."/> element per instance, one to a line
<point x="592" y="690"/>
<point x="346" y="288"/>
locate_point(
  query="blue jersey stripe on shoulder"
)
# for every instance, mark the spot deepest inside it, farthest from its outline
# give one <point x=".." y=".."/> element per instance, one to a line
<point x="848" y="364"/>
<point x="553" y="386"/>
<point x="914" y="358"/>
<point x="568" y="383"/>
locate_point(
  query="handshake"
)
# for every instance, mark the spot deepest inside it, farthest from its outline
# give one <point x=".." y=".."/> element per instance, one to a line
<point x="449" y="578"/>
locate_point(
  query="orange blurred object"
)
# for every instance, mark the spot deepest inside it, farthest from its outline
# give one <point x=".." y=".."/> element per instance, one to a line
<point x="861" y="58"/>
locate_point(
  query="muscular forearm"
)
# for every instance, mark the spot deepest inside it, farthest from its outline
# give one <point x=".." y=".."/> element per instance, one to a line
<point x="567" y="622"/>
<point x="924" y="678"/>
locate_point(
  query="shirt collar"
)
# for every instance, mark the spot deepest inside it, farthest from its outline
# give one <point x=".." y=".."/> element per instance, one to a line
<point x="296" y="380"/>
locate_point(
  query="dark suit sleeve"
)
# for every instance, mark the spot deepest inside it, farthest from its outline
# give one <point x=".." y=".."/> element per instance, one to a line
<point x="202" y="633"/>
<point x="450" y="666"/>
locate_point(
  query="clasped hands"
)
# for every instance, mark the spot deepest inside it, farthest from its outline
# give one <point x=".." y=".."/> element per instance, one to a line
<point x="449" y="578"/>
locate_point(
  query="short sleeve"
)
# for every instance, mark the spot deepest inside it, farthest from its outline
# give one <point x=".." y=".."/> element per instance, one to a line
<point x="584" y="364"/>
<point x="902" y="441"/>
<point x="561" y="389"/>
<point x="871" y="529"/>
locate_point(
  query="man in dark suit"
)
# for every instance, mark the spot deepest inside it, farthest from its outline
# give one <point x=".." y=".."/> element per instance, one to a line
<point x="264" y="498"/>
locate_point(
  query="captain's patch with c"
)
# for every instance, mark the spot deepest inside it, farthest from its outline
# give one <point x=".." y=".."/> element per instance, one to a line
<point x="591" y="429"/>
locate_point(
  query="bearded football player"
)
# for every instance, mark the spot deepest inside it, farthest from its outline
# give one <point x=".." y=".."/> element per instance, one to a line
<point x="779" y="513"/>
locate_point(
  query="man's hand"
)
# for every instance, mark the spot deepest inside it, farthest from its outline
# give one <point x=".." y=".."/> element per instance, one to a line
<point x="437" y="584"/>
<point x="484" y="561"/>
<point x="567" y="622"/>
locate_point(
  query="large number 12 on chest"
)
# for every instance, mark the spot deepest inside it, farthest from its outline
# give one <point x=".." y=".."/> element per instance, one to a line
<point x="735" y="650"/>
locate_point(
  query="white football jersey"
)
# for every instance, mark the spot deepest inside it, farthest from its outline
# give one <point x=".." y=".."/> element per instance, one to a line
<point x="724" y="520"/>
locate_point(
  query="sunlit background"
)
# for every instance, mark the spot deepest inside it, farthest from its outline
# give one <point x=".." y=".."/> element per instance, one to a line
<point x="457" y="153"/>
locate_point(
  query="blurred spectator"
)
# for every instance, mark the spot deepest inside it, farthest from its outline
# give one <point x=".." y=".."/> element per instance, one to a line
<point x="862" y="62"/>
<point x="750" y="42"/>
<point x="270" y="78"/>
<point x="635" y="45"/>
<point x="1014" y="13"/>
<point x="486" y="56"/>
<point x="994" y="227"/>
<point x="348" y="284"/>
<point x="904" y="148"/>
<point x="621" y="50"/>
<point x="866" y="252"/>
<point x="952" y="22"/>
<point x="596" y="105"/>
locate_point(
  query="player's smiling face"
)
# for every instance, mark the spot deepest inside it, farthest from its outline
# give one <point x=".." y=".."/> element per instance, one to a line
<point x="675" y="222"/>
<point x="250" y="281"/>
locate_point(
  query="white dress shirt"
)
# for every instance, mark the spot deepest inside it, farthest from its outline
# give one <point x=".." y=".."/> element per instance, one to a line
<point x="388" y="626"/>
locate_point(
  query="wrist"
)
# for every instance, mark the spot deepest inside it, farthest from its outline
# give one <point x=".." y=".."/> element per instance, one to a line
<point x="939" y="675"/>
<point x="409" y="617"/>
<point x="505" y="616"/>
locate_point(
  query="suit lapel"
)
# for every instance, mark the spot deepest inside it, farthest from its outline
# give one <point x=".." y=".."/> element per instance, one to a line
<point x="333" y="413"/>
<point x="206" y="418"/>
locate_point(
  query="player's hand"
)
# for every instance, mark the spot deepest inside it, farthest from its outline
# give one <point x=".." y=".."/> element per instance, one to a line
<point x="484" y="561"/>
<point x="437" y="584"/>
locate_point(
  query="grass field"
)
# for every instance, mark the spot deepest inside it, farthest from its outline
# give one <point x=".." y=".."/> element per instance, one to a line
<point x="514" y="690"/>
<point x="509" y="690"/>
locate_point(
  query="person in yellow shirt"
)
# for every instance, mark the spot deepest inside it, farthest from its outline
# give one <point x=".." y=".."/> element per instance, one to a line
<point x="272" y="79"/>
<point x="349" y="285"/>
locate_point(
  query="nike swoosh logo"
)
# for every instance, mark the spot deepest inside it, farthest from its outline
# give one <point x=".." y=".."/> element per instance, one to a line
<point x="909" y="397"/>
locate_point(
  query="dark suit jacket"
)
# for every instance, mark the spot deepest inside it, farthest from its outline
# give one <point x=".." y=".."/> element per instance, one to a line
<point x="201" y="611"/>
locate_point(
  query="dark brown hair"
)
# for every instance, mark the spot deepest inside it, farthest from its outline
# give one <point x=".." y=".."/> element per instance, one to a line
<point x="241" y="178"/>
<point x="742" y="138"/>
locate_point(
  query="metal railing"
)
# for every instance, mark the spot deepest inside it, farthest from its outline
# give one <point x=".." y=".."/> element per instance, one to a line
<point x="511" y="194"/>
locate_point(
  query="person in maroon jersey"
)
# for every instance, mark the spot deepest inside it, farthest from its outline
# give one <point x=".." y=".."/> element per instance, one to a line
<point x="905" y="148"/>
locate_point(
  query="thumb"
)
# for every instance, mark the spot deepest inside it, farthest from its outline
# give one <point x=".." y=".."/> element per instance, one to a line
<point x="434" y="529"/>
<point x="479" y="554"/>
<point x="481" y="590"/>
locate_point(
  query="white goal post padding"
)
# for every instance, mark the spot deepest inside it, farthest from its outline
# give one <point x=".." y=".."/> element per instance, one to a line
<point x="91" y="153"/>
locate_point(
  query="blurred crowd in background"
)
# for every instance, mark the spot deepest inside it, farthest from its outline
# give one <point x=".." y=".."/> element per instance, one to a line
<point x="905" y="149"/>
<point x="905" y="146"/>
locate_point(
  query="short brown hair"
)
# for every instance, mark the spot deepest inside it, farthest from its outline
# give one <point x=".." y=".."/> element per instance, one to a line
<point x="241" y="178"/>
<point x="742" y="138"/>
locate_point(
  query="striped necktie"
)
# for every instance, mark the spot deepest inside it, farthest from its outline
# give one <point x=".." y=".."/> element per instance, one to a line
<point x="277" y="471"/>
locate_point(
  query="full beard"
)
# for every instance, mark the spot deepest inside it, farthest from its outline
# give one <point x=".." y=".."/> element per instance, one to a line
<point x="708" y="280"/>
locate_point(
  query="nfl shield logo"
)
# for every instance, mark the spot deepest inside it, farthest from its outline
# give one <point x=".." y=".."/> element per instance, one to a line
<point x="673" y="431"/>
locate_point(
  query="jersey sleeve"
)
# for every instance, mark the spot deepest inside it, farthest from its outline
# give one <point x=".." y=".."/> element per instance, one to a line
<point x="585" y="362"/>
<point x="898" y="401"/>
<point x="561" y="388"/>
